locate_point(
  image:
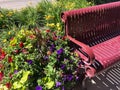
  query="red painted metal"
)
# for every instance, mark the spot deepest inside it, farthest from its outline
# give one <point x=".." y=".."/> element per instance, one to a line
<point x="96" y="30"/>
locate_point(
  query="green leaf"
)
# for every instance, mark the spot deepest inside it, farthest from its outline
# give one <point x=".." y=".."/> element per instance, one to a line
<point x="50" y="84"/>
<point x="29" y="46"/>
<point x="17" y="85"/>
<point x="25" y="76"/>
<point x="13" y="42"/>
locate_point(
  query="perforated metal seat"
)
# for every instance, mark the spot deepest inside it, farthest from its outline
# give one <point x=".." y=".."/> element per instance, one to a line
<point x="95" y="33"/>
<point x="108" y="52"/>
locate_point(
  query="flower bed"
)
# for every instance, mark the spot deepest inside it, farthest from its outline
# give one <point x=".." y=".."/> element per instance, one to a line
<point x="33" y="58"/>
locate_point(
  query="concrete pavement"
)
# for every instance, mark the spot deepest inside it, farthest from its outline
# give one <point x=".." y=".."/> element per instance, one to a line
<point x="17" y="4"/>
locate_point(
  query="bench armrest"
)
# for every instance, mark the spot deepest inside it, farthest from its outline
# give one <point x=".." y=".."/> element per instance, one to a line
<point x="83" y="49"/>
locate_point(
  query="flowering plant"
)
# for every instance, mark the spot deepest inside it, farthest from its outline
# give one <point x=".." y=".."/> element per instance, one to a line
<point x="35" y="59"/>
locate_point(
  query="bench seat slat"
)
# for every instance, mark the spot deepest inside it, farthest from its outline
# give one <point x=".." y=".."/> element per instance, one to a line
<point x="108" y="52"/>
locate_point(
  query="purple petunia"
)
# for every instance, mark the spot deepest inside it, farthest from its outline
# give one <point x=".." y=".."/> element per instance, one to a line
<point x="60" y="51"/>
<point x="77" y="78"/>
<point x="15" y="71"/>
<point x="46" y="58"/>
<point x="29" y="61"/>
<point x="63" y="88"/>
<point x="38" y="88"/>
<point x="52" y="48"/>
<point x="69" y="77"/>
<point x="63" y="66"/>
<point x="58" y="84"/>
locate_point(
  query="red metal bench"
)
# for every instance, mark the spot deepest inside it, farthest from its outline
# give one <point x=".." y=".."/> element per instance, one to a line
<point x="95" y="32"/>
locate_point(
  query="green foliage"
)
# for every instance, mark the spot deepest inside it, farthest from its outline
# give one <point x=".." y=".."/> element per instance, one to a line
<point x="30" y="57"/>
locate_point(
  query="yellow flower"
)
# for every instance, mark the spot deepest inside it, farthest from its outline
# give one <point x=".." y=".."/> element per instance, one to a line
<point x="48" y="17"/>
<point x="10" y="13"/>
<point x="58" y="24"/>
<point x="9" y="33"/>
<point x="1" y="15"/>
<point x="4" y="40"/>
<point x="59" y="28"/>
<point x="52" y="25"/>
<point x="70" y="5"/>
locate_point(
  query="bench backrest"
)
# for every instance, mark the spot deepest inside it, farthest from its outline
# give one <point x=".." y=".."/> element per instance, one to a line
<point x="93" y="25"/>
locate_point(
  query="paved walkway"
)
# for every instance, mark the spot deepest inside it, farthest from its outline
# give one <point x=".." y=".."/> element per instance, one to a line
<point x="17" y="4"/>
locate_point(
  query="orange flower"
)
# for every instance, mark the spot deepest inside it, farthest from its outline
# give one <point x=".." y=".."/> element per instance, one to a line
<point x="48" y="52"/>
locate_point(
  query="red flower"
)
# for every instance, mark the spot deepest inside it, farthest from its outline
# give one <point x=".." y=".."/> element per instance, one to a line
<point x="32" y="36"/>
<point x="11" y="38"/>
<point x="2" y="54"/>
<point x="10" y="59"/>
<point x="25" y="51"/>
<point x="1" y="66"/>
<point x="16" y="51"/>
<point x="1" y="76"/>
<point x="21" y="44"/>
<point x="54" y="38"/>
<point x="8" y="85"/>
<point x="47" y="31"/>
<point x="63" y="38"/>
